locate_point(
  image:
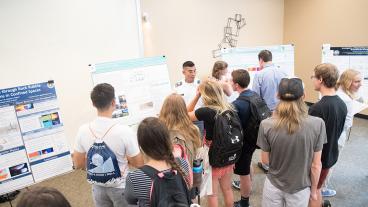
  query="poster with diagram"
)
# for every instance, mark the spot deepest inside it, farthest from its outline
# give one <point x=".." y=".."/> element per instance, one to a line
<point x="247" y="58"/>
<point x="349" y="58"/>
<point x="140" y="85"/>
<point x="33" y="146"/>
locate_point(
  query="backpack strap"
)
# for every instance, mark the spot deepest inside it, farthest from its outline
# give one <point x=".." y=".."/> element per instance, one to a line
<point x="150" y="171"/>
<point x="107" y="131"/>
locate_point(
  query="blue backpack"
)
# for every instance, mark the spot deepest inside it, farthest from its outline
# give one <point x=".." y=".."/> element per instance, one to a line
<point x="102" y="165"/>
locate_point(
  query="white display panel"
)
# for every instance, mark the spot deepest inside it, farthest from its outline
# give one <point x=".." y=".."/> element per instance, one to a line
<point x="140" y="86"/>
<point x="33" y="146"/>
<point x="349" y="58"/>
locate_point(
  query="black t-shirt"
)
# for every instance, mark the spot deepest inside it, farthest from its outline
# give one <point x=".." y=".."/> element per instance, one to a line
<point x="207" y="115"/>
<point x="333" y="112"/>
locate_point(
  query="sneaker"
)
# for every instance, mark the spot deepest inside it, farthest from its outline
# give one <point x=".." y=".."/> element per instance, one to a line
<point x="236" y="184"/>
<point x="328" y="192"/>
<point x="263" y="167"/>
<point x="326" y="203"/>
<point x="237" y="204"/>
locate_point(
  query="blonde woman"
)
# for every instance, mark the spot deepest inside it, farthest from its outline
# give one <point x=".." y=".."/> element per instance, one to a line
<point x="182" y="131"/>
<point x="347" y="88"/>
<point x="291" y="142"/>
<point x="219" y="72"/>
<point x="214" y="103"/>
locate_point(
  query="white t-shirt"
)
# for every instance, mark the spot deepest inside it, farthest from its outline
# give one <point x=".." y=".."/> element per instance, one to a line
<point x="120" y="139"/>
<point x="349" y="105"/>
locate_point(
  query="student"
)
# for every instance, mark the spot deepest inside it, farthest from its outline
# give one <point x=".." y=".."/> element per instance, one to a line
<point x="219" y="72"/>
<point x="42" y="197"/>
<point x="214" y="103"/>
<point x="333" y="111"/>
<point x="154" y="140"/>
<point x="348" y="86"/>
<point x="291" y="143"/>
<point x="240" y="82"/>
<point x="266" y="83"/>
<point x="182" y="131"/>
<point x="120" y="139"/>
<point x="187" y="87"/>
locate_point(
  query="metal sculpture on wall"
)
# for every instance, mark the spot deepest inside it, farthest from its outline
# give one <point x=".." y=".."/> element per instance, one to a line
<point x="231" y="32"/>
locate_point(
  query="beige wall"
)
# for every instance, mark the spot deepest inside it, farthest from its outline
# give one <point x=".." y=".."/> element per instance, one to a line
<point x="310" y="23"/>
<point x="191" y="29"/>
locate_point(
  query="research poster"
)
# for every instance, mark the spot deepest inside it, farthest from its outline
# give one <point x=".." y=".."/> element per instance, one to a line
<point x="33" y="146"/>
<point x="349" y="57"/>
<point x="140" y="85"/>
<point x="247" y="58"/>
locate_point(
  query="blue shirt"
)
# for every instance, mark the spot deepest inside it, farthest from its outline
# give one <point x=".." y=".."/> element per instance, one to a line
<point x="242" y="107"/>
<point x="266" y="84"/>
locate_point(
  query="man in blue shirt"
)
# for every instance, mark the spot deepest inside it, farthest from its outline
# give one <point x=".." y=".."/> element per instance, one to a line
<point x="240" y="82"/>
<point x="266" y="83"/>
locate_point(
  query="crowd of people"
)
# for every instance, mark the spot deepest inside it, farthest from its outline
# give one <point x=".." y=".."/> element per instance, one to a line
<point x="299" y="146"/>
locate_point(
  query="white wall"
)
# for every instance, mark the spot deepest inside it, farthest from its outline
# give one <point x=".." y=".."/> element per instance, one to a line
<point x="42" y="40"/>
<point x="191" y="29"/>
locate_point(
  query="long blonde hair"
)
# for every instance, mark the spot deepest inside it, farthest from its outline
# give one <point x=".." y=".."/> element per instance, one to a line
<point x="217" y="68"/>
<point x="345" y="81"/>
<point x="174" y="114"/>
<point x="213" y="96"/>
<point x="290" y="114"/>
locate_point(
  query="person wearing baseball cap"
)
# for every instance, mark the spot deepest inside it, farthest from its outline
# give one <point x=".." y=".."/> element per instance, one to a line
<point x="291" y="142"/>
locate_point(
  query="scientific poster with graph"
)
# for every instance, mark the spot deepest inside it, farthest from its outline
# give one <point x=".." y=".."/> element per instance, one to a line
<point x="247" y="58"/>
<point x="349" y="57"/>
<point x="140" y="85"/>
<point x="33" y="146"/>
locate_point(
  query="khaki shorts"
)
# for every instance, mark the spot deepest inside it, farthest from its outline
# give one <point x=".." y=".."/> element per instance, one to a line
<point x="272" y="197"/>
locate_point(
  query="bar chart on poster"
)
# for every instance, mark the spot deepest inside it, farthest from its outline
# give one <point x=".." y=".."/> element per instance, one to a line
<point x="33" y="146"/>
<point x="140" y="86"/>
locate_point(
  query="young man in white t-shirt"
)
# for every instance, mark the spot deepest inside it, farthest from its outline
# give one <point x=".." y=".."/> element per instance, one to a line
<point x="120" y="139"/>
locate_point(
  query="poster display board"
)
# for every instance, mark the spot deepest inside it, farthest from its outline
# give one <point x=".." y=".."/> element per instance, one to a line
<point x="349" y="58"/>
<point x="33" y="146"/>
<point x="140" y="85"/>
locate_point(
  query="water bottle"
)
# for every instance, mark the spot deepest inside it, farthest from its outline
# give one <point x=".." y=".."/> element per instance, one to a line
<point x="197" y="173"/>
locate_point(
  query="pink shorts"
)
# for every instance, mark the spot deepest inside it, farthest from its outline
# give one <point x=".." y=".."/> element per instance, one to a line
<point x="219" y="172"/>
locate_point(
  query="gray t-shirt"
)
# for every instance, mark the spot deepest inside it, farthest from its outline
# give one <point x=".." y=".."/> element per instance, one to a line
<point x="291" y="155"/>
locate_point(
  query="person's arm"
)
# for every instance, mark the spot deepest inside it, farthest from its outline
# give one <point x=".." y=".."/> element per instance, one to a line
<point x="265" y="157"/>
<point x="79" y="160"/>
<point x="136" y="161"/>
<point x="315" y="173"/>
<point x="256" y="87"/>
<point x="193" y="102"/>
<point x="129" y="192"/>
<point x="227" y="88"/>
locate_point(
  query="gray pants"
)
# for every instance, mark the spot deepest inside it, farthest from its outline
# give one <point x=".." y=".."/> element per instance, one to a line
<point x="273" y="197"/>
<point x="108" y="197"/>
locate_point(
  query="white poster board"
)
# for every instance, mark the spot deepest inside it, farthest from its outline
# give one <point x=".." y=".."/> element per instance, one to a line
<point x="140" y="85"/>
<point x="349" y="58"/>
<point x="33" y="146"/>
<point x="247" y="58"/>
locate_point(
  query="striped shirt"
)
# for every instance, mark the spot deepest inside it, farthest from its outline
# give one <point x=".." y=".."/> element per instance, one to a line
<point x="138" y="186"/>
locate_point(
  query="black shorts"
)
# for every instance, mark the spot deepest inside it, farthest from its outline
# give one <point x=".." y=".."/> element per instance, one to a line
<point x="242" y="167"/>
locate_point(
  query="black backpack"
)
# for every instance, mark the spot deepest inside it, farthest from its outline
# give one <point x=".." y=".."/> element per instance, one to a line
<point x="258" y="112"/>
<point x="168" y="188"/>
<point x="227" y="140"/>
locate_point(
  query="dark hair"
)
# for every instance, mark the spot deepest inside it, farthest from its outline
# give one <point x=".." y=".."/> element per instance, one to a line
<point x="188" y="64"/>
<point x="154" y="140"/>
<point x="328" y="73"/>
<point x="42" y="197"/>
<point x="241" y="77"/>
<point x="217" y="67"/>
<point x="102" y="95"/>
<point x="265" y="55"/>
